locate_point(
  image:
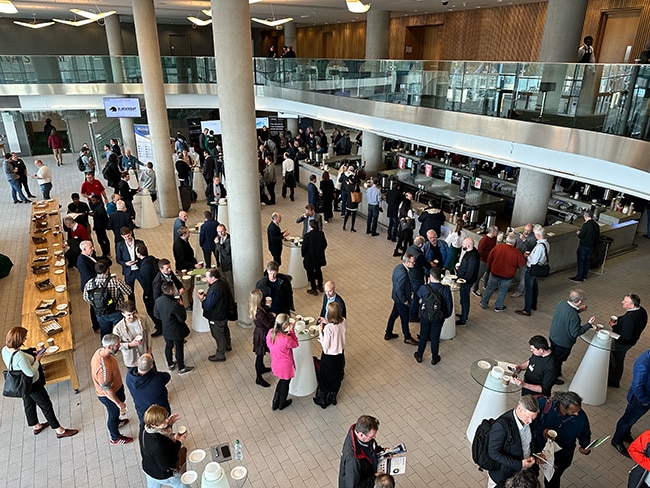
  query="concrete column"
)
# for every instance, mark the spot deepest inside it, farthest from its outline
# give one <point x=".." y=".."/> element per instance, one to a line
<point x="289" y="36"/>
<point x="116" y="51"/>
<point x="292" y="125"/>
<point x="371" y="152"/>
<point x="377" y="30"/>
<point x="531" y="202"/>
<point x="562" y="31"/>
<point x="237" y="113"/>
<point x="144" y="19"/>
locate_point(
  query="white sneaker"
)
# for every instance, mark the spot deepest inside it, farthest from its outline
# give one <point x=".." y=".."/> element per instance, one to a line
<point x="516" y="294"/>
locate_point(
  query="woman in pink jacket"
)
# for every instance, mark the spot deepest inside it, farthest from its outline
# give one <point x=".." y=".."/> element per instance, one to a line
<point x="281" y="340"/>
<point x="55" y="143"/>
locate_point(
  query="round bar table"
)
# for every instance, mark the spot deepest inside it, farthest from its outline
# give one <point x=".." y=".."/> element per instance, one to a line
<point x="146" y="217"/>
<point x="449" y="326"/>
<point x="493" y="399"/>
<point x="590" y="380"/>
<point x="304" y="382"/>
<point x="295" y="269"/>
<point x="199" y="322"/>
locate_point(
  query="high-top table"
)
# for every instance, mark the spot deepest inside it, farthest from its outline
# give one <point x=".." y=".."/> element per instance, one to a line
<point x="590" y="380"/>
<point x="58" y="366"/>
<point x="295" y="269"/>
<point x="145" y="214"/>
<point x="449" y="325"/>
<point x="304" y="382"/>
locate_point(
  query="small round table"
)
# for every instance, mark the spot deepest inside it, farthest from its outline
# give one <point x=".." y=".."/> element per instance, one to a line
<point x="296" y="270"/>
<point x="146" y="217"/>
<point x="449" y="326"/>
<point x="199" y="322"/>
<point x="304" y="381"/>
<point x="492" y="401"/>
<point x="590" y="380"/>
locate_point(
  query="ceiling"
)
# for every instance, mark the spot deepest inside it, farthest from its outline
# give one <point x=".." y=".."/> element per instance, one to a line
<point x="304" y="12"/>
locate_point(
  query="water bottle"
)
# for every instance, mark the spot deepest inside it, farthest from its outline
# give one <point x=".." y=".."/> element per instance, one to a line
<point x="239" y="453"/>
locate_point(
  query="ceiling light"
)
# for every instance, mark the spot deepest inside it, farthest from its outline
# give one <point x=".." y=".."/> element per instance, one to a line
<point x="200" y="22"/>
<point x="91" y="15"/>
<point x="207" y="12"/>
<point x="7" y="7"/>
<point x="272" y="22"/>
<point x="33" y="25"/>
<point x="357" y="7"/>
<point x="74" y="23"/>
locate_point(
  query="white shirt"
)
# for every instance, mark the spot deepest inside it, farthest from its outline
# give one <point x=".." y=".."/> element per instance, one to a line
<point x="287" y="165"/>
<point x="43" y="175"/>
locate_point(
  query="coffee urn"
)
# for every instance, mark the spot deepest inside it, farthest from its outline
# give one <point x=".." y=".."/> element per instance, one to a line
<point x="490" y="218"/>
<point x="472" y="212"/>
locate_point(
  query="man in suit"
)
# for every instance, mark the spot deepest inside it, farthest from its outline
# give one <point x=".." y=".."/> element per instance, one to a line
<point x="224" y="255"/>
<point x="86" y="266"/>
<point x="511" y="441"/>
<point x="185" y="261"/>
<point x="468" y="269"/>
<point x="126" y="192"/>
<point x="629" y="327"/>
<point x="331" y="296"/>
<point x="588" y="235"/>
<point x="274" y="236"/>
<point x="119" y="219"/>
<point x="147" y="274"/>
<point x="207" y="236"/>
<point x="401" y="296"/>
<point x="313" y="256"/>
<point x="308" y="216"/>
<point x="125" y="255"/>
<point x="209" y="166"/>
<point x="215" y="191"/>
<point x="172" y="315"/>
<point x="216" y="304"/>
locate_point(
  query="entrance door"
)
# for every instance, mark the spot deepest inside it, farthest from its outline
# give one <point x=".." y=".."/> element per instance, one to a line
<point x="619" y="32"/>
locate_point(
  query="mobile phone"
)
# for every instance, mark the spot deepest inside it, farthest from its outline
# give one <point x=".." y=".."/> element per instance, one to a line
<point x="225" y="452"/>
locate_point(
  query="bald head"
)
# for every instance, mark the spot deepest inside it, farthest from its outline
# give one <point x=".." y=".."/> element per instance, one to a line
<point x="468" y="243"/>
<point x="145" y="363"/>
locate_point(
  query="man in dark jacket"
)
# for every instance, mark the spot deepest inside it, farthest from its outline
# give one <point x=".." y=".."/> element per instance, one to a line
<point x="165" y="274"/>
<point x="588" y="234"/>
<point x="224" y="256"/>
<point x="148" y="272"/>
<point x="216" y="304"/>
<point x="86" y="266"/>
<point x="468" y="270"/>
<point x="100" y="223"/>
<point x="401" y="294"/>
<point x="125" y="255"/>
<point x="120" y="219"/>
<point x="206" y="238"/>
<point x="629" y="327"/>
<point x="214" y="192"/>
<point x="358" y="467"/>
<point x="510" y="443"/>
<point x="126" y="192"/>
<point x="147" y="386"/>
<point x="278" y="287"/>
<point x="313" y="248"/>
<point x="169" y="310"/>
<point x="431" y="217"/>
<point x="274" y="236"/>
<point x="393" y="199"/>
<point x="185" y="261"/>
<point x="209" y="166"/>
<point x="331" y="296"/>
<point x="416" y="275"/>
<point x="430" y="330"/>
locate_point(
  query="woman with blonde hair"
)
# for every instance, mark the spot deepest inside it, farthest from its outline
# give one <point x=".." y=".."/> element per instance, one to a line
<point x="263" y="320"/>
<point x="29" y="362"/>
<point x="280" y="341"/>
<point x="331" y="335"/>
<point x="160" y="448"/>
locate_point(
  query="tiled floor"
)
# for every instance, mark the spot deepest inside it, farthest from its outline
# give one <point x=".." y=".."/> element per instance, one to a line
<point x="425" y="407"/>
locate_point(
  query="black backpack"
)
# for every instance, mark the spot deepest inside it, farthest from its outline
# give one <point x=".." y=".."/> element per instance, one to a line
<point x="101" y="299"/>
<point x="431" y="308"/>
<point x="80" y="164"/>
<point x="480" y="443"/>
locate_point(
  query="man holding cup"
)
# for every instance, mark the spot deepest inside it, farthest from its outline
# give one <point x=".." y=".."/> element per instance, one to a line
<point x="216" y="304"/>
<point x="539" y="370"/>
<point x="629" y="327"/>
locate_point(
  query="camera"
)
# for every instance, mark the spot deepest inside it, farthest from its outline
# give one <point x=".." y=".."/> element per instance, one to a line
<point x="445" y="2"/>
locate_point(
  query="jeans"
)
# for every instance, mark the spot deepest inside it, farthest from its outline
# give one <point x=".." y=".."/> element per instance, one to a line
<point x="39" y="397"/>
<point x="107" y="322"/>
<point x="560" y="354"/>
<point x="493" y="283"/>
<point x="46" y="188"/>
<point x="584" y="261"/>
<point x="113" y="421"/>
<point x="521" y="287"/>
<point x="373" y="216"/>
<point x="221" y="334"/>
<point x="344" y="201"/>
<point x="400" y="310"/>
<point x="532" y="292"/>
<point x="174" y="481"/>
<point x="633" y="412"/>
<point x="465" y="288"/>
<point x="430" y="331"/>
<point x="180" y="353"/>
<point x="16" y="191"/>
<point x="482" y="269"/>
<point x="393" y="228"/>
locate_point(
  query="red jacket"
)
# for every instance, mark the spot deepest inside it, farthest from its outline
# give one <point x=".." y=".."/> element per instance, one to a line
<point x="637" y="450"/>
<point x="504" y="260"/>
<point x="485" y="246"/>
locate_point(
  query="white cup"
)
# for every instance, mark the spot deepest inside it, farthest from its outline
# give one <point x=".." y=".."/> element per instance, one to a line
<point x="50" y="342"/>
<point x="182" y="430"/>
<point x="497" y="372"/>
<point x="40" y="345"/>
<point x="551" y="434"/>
<point x="138" y="338"/>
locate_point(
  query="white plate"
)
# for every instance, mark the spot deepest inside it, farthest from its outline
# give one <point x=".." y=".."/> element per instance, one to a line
<point x="461" y="281"/>
<point x="56" y="244"/>
<point x="238" y="473"/>
<point x="52" y="349"/>
<point x="197" y="455"/>
<point x="58" y="253"/>
<point x="189" y="477"/>
<point x="60" y="288"/>
<point x="63" y="306"/>
<point x="59" y="263"/>
<point x="484" y="365"/>
<point x="308" y="320"/>
<point x="58" y="271"/>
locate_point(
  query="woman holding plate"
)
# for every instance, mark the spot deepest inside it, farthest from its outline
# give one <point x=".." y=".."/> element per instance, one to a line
<point x="280" y="341"/>
<point x="331" y="335"/>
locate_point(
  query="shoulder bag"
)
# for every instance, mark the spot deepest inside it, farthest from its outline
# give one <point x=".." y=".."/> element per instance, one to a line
<point x="17" y="383"/>
<point x="356" y="196"/>
<point x="541" y="270"/>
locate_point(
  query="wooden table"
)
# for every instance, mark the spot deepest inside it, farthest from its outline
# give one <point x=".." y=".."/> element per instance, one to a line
<point x="58" y="366"/>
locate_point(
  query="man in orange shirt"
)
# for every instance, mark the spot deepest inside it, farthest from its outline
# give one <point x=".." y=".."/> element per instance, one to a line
<point x="109" y="387"/>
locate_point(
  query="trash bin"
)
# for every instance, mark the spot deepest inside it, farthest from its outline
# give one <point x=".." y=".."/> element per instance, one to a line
<point x="598" y="254"/>
<point x="186" y="197"/>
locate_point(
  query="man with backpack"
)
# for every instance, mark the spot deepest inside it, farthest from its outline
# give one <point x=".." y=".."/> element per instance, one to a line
<point x="105" y="293"/>
<point x="437" y="305"/>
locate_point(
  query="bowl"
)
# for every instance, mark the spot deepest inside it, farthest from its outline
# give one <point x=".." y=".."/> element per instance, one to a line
<point x="60" y="288"/>
<point x="483" y="365"/>
<point x="238" y="473"/>
<point x="189" y="477"/>
<point x="196" y="456"/>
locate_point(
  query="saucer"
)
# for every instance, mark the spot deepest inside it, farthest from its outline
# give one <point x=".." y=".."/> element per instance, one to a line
<point x="58" y="272"/>
<point x="238" y="473"/>
<point x="60" y="288"/>
<point x="484" y="365"/>
<point x="197" y="455"/>
<point x="52" y="349"/>
<point x="189" y="477"/>
<point x="63" y="306"/>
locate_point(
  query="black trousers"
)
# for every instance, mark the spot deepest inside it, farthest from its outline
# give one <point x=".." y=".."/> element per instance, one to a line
<point x="102" y="240"/>
<point x="270" y="187"/>
<point x="560" y="354"/>
<point x="180" y="354"/>
<point x="315" y="277"/>
<point x="39" y="397"/>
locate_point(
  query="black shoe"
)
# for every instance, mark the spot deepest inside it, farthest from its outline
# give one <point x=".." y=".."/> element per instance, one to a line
<point x="352" y="230"/>
<point x="229" y="349"/>
<point x="559" y="381"/>
<point x="621" y="448"/>
<point x="262" y="382"/>
<point x="575" y="279"/>
<point x="611" y="384"/>
<point x="284" y="405"/>
<point x="266" y="370"/>
<point x="374" y="234"/>
<point x="417" y="357"/>
<point x="396" y="254"/>
<point x="411" y="341"/>
<point x="156" y="333"/>
<point x="367" y="232"/>
<point x="460" y="322"/>
<point x="435" y="360"/>
<point x="388" y="337"/>
<point x="215" y="359"/>
<point x="628" y="438"/>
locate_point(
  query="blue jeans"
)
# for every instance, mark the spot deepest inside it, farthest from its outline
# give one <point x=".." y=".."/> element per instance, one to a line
<point x="107" y="322"/>
<point x="46" y="188"/>
<point x="113" y="422"/>
<point x="532" y="292"/>
<point x="16" y="191"/>
<point x="633" y="412"/>
<point x="393" y="228"/>
<point x="373" y="215"/>
<point x="430" y="331"/>
<point x="400" y="310"/>
<point x="465" y="288"/>
<point x="584" y="260"/>
<point x="174" y="481"/>
<point x="493" y="283"/>
<point x="344" y="201"/>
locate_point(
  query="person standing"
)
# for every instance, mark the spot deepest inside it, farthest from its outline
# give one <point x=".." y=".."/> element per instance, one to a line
<point x="224" y="255"/>
<point x="270" y="179"/>
<point x="401" y="295"/>
<point x="308" y="216"/>
<point x="107" y="310"/>
<point x="638" y="403"/>
<point x="207" y="237"/>
<point x="503" y="262"/>
<point x="148" y="271"/>
<point x="485" y="246"/>
<point x="275" y="235"/>
<point x="539" y="255"/>
<point x="281" y="340"/>
<point x="373" y="196"/>
<point x="259" y="313"/>
<point x="586" y="52"/>
<point x="185" y="261"/>
<point x="55" y="143"/>
<point x="312" y="191"/>
<point x="431" y="217"/>
<point x="214" y="192"/>
<point x="217" y="303"/>
<point x="169" y="310"/>
<point x="147" y="386"/>
<point x="278" y="287"/>
<point x="406" y="225"/>
<point x="86" y="266"/>
<point x="539" y="375"/>
<point x="313" y="256"/>
<point x="118" y="220"/>
<point x="329" y="297"/>
<point x="629" y="327"/>
<point x="288" y="177"/>
<point x="109" y="388"/>
<point x="165" y="274"/>
<point x="100" y="223"/>
<point x="134" y="332"/>
<point x="328" y="191"/>
<point x="92" y="186"/>
<point x="468" y="270"/>
<point x="331" y="335"/>
<point x="358" y="466"/>
<point x="436" y="251"/>
<point x="28" y="361"/>
<point x="565" y="328"/>
<point x="393" y="200"/>
<point x="126" y="256"/>
<point x="127" y="193"/>
<point x="147" y="178"/>
<point x="566" y="417"/>
<point x="455" y="241"/>
<point x="181" y="221"/>
<point x="11" y="174"/>
<point x="588" y="234"/>
<point x="416" y="275"/>
<point x="44" y="178"/>
<point x="430" y="330"/>
<point x="22" y="173"/>
<point x="525" y="243"/>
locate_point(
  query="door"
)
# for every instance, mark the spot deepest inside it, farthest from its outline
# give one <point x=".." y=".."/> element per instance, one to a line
<point x="430" y="42"/>
<point x="619" y="32"/>
<point x="413" y="42"/>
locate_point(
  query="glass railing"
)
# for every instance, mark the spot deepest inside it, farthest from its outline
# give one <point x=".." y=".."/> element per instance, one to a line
<point x="610" y="98"/>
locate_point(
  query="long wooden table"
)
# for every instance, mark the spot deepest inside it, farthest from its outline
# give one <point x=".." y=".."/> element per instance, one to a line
<point x="58" y="366"/>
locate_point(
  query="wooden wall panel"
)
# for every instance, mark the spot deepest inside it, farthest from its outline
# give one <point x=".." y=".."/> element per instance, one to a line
<point x="348" y="41"/>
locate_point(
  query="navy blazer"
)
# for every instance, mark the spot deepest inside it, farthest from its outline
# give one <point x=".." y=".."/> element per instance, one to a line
<point x="274" y="235"/>
<point x="122" y="256"/>
<point x="504" y="446"/>
<point x="86" y="267"/>
<point x="401" y="285"/>
<point x="207" y="235"/>
<point x="337" y="299"/>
